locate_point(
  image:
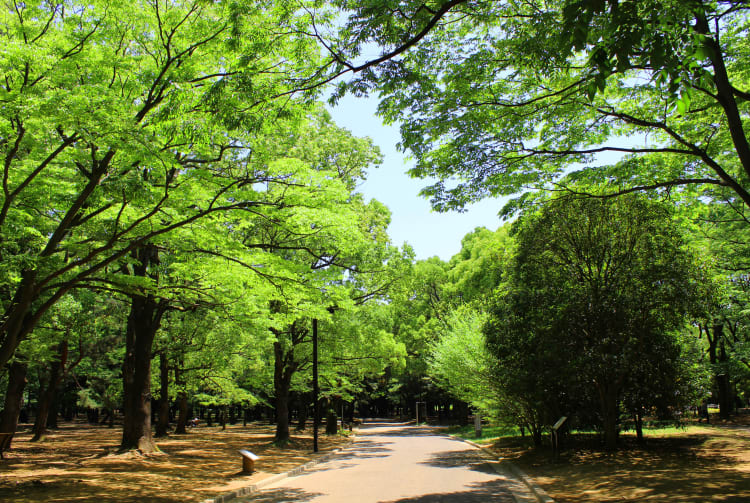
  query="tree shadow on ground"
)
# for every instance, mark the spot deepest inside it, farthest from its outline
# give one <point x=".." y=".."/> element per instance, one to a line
<point x="460" y="459"/>
<point x="280" y="495"/>
<point x="79" y="463"/>
<point x="400" y="430"/>
<point x="484" y="492"/>
<point x="713" y="465"/>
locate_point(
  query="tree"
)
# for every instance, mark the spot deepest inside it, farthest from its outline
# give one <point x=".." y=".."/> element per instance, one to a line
<point x="505" y="97"/>
<point x="114" y="117"/>
<point x="460" y="362"/>
<point x="597" y="290"/>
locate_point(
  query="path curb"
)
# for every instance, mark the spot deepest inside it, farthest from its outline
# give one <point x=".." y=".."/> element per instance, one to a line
<point x="505" y="465"/>
<point x="254" y="488"/>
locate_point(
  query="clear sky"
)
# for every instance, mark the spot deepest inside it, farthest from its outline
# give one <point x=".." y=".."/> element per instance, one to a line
<point x="412" y="219"/>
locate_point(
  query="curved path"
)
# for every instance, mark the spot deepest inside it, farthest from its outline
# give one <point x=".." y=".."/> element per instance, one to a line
<point x="398" y="463"/>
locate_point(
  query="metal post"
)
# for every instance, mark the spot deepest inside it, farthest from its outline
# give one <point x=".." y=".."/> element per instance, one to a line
<point x="316" y="389"/>
<point x="425" y="411"/>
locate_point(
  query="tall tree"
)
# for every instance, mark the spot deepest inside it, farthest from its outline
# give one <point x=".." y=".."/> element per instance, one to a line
<point x="596" y="292"/>
<point x="110" y="109"/>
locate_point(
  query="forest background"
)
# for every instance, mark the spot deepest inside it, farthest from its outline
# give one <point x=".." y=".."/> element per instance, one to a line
<point x="178" y="207"/>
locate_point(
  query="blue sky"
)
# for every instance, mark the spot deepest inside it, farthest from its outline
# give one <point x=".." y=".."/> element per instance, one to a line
<point x="412" y="219"/>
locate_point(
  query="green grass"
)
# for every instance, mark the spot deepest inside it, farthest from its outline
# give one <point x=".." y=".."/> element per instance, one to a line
<point x="490" y="433"/>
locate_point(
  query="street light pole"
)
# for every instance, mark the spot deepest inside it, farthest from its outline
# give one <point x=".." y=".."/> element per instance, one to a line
<point x="316" y="389"/>
<point x="417" y="404"/>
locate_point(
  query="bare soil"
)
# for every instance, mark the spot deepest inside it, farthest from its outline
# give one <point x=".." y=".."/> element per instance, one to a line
<point x="696" y="465"/>
<point x="80" y="463"/>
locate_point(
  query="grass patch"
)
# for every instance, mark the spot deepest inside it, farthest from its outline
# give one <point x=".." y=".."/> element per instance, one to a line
<point x="490" y="433"/>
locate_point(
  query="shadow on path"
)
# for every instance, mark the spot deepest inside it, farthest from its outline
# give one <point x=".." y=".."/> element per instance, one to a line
<point x="280" y="495"/>
<point x="403" y="430"/>
<point x="460" y="459"/>
<point x="494" y="491"/>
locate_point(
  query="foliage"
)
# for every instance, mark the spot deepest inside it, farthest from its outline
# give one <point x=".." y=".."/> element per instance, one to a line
<point x="589" y="312"/>
<point x="460" y="362"/>
<point x="505" y="97"/>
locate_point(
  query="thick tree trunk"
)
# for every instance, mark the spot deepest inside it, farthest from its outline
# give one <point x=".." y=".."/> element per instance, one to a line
<point x="45" y="402"/>
<point x="13" y="398"/>
<point x="610" y="415"/>
<point x="143" y="323"/>
<point x="182" y="416"/>
<point x="48" y="397"/>
<point x="162" y="424"/>
<point x="726" y="402"/>
<point x="284" y="368"/>
<point x="18" y="320"/>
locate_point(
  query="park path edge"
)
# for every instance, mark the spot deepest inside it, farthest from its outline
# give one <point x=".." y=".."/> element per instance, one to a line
<point x="256" y="487"/>
<point x="509" y="470"/>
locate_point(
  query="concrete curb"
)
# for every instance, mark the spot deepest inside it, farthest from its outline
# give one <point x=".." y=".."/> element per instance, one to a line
<point x="510" y="470"/>
<point x="254" y="488"/>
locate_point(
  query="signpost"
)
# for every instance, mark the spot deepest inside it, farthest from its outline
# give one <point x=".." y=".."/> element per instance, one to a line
<point x="556" y="437"/>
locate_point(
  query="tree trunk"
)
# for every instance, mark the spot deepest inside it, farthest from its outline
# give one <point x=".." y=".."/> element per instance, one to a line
<point x="284" y="368"/>
<point x="536" y="434"/>
<point x="462" y="410"/>
<point x="304" y="412"/>
<point x="47" y="396"/>
<point x="182" y="401"/>
<point x="54" y="409"/>
<point x="638" y="418"/>
<point x="182" y="416"/>
<point x="726" y="402"/>
<point x="331" y="419"/>
<point x="13" y="397"/>
<point x="610" y="415"/>
<point x="143" y="322"/>
<point x="18" y="320"/>
<point x="162" y="424"/>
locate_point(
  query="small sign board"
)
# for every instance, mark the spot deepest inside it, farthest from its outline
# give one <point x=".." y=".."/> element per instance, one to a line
<point x="559" y="423"/>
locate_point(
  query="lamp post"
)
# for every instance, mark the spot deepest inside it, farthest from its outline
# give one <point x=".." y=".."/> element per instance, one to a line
<point x="417" y="406"/>
<point x="316" y="388"/>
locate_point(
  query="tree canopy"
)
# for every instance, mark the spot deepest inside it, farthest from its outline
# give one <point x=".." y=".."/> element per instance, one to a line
<point x="499" y="98"/>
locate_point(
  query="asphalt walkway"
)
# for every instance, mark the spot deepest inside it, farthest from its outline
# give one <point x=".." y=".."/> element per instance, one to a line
<point x="400" y="463"/>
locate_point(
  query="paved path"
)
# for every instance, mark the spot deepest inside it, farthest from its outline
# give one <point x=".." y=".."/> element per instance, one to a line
<point x="398" y="463"/>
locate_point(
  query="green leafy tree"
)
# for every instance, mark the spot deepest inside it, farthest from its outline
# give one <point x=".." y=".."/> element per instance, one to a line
<point x="461" y="363"/>
<point x="596" y="293"/>
<point x="502" y="97"/>
<point x="122" y="123"/>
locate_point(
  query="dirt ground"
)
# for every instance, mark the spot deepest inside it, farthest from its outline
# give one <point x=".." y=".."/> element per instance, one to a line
<point x="79" y="463"/>
<point x="696" y="465"/>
